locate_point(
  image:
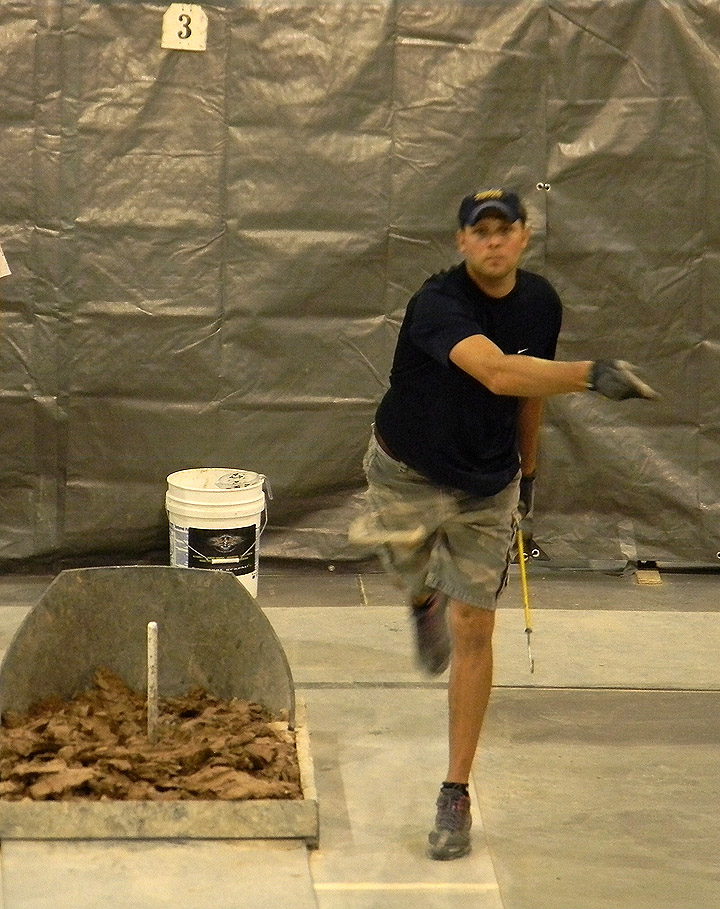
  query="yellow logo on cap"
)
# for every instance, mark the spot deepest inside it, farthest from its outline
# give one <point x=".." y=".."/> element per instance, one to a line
<point x="489" y="194"/>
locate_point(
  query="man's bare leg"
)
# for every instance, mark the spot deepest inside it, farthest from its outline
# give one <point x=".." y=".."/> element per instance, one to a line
<point x="470" y="683"/>
<point x="468" y="694"/>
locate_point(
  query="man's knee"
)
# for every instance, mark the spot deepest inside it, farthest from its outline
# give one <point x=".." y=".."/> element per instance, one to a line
<point x="471" y="625"/>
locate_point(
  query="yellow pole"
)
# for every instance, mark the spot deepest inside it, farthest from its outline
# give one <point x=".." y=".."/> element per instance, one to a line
<point x="526" y="595"/>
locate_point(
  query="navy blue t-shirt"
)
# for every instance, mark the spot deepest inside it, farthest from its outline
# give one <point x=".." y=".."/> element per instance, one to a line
<point x="435" y="417"/>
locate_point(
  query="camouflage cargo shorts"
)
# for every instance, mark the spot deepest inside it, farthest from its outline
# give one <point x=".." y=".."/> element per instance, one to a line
<point x="435" y="538"/>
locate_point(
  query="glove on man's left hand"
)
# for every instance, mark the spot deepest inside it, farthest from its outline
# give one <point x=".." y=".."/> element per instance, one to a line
<point x="527" y="496"/>
<point x="525" y="507"/>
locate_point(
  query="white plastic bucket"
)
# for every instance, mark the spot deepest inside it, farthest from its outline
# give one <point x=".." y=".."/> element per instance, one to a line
<point x="216" y="516"/>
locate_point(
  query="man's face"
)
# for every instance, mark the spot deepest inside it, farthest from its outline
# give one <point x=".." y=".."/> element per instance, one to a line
<point x="493" y="247"/>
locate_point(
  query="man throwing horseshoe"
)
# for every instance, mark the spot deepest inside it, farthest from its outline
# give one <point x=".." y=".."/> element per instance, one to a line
<point x="452" y="459"/>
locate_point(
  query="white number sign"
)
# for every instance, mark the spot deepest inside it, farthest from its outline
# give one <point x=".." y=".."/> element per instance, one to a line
<point x="185" y="27"/>
<point x="4" y="269"/>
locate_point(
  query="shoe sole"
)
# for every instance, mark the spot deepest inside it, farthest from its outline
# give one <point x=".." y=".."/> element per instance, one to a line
<point x="448" y="857"/>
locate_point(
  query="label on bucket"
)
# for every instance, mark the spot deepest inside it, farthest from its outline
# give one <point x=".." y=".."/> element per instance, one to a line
<point x="233" y="550"/>
<point x="179" y="546"/>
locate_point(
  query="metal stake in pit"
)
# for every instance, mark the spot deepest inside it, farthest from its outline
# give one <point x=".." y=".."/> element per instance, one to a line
<point x="152" y="682"/>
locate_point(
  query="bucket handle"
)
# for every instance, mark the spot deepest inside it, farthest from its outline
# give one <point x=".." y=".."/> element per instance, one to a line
<point x="267" y="489"/>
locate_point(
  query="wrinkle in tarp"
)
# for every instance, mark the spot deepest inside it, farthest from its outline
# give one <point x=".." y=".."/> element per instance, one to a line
<point x="211" y="253"/>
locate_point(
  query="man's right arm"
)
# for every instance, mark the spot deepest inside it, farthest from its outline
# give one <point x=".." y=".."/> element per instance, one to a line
<point x="522" y="376"/>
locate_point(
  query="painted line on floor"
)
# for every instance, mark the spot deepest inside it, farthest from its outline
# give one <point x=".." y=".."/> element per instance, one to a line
<point x="412" y="885"/>
<point x="363" y="595"/>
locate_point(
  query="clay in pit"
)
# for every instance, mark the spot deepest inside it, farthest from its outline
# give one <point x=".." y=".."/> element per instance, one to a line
<point x="95" y="747"/>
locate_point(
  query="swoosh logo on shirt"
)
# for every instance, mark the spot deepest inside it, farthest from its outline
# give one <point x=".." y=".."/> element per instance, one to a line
<point x="524" y="350"/>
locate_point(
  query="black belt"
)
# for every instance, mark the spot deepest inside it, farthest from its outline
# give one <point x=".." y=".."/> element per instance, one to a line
<point x="383" y="445"/>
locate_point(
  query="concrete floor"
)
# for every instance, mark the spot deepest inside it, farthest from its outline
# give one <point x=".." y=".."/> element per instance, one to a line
<point x="596" y="783"/>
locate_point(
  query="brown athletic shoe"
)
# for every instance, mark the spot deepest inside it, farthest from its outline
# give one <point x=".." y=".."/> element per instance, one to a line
<point x="432" y="637"/>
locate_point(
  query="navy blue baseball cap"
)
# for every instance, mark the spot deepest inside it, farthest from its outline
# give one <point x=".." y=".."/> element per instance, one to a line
<point x="499" y="202"/>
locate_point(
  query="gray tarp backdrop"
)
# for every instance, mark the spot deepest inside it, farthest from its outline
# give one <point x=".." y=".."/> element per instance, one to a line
<point x="211" y="252"/>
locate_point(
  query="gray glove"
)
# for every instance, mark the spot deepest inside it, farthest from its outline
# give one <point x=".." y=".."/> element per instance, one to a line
<point x="527" y="497"/>
<point x="616" y="379"/>
<point x="525" y="509"/>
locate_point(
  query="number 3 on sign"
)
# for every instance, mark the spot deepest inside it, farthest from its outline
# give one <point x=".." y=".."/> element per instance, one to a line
<point x="185" y="27"/>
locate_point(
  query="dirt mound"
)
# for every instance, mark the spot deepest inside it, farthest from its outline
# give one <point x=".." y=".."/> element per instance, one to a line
<point x="95" y="747"/>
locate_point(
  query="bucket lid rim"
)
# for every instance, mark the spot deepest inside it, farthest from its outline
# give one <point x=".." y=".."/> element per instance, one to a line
<point x="220" y="472"/>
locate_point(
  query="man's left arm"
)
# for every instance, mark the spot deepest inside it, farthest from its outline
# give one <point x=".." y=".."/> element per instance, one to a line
<point x="530" y="413"/>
